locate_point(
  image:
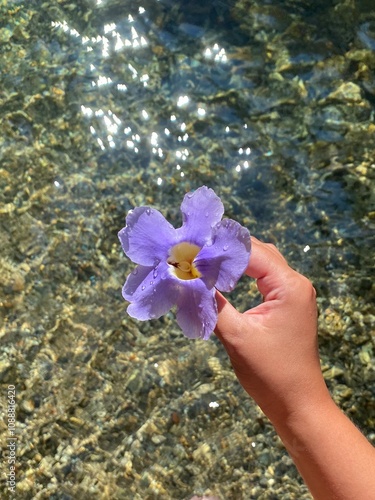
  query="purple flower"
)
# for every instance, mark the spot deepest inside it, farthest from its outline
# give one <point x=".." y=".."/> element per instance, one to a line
<point x="183" y="266"/>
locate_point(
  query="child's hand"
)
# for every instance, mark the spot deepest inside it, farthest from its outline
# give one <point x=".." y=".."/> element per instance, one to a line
<point x="273" y="347"/>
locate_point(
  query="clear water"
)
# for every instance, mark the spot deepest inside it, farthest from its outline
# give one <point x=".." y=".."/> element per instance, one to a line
<point x="106" y="105"/>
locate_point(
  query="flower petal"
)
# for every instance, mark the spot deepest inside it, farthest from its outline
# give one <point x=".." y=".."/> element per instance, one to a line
<point x="201" y="211"/>
<point x="147" y="236"/>
<point x="196" y="309"/>
<point x="150" y="291"/>
<point x="223" y="263"/>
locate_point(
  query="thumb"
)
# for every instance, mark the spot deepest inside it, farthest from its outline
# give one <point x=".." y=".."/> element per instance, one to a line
<point x="229" y="320"/>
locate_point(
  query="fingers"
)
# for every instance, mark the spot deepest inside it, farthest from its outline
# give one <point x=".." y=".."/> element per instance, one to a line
<point x="264" y="257"/>
<point x="268" y="267"/>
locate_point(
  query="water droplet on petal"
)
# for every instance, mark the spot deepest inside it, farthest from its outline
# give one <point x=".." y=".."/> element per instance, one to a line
<point x="225" y="248"/>
<point x="148" y="211"/>
<point x="135" y="271"/>
<point x="191" y="194"/>
<point x="155" y="273"/>
<point x="151" y="282"/>
<point x="206" y="214"/>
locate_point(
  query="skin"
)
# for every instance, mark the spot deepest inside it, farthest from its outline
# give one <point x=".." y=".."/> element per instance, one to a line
<point x="274" y="352"/>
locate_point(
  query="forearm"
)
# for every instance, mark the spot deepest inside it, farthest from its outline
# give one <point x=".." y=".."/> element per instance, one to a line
<point x="334" y="458"/>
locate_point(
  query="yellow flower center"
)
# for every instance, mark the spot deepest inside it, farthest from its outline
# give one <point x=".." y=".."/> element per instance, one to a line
<point x="181" y="257"/>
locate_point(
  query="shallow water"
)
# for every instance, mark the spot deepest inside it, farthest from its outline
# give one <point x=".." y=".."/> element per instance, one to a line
<point x="106" y="105"/>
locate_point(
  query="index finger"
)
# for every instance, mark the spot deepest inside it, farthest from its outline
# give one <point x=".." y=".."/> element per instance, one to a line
<point x="267" y="266"/>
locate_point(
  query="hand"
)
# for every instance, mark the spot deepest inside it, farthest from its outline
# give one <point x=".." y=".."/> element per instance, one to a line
<point x="273" y="347"/>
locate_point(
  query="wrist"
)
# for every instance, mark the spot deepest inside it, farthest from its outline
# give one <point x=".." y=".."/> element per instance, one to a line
<point x="296" y="427"/>
<point x="297" y="407"/>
